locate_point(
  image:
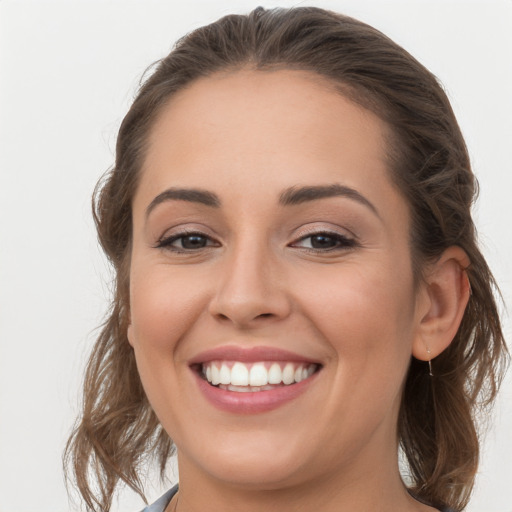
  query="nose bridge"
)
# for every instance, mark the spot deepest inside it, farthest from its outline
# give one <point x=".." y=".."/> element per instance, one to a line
<point x="250" y="288"/>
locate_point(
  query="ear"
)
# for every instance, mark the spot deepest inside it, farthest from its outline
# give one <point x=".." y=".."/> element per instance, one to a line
<point x="129" y="334"/>
<point x="443" y="300"/>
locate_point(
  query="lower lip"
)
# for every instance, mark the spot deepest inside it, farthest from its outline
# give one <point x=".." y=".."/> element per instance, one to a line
<point x="252" y="402"/>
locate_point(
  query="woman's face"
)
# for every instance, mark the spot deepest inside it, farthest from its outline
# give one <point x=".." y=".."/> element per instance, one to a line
<point x="270" y="245"/>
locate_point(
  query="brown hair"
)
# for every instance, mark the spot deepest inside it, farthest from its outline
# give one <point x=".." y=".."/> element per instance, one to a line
<point x="118" y="430"/>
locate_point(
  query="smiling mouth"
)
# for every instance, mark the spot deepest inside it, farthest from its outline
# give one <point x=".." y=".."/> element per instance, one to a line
<point x="245" y="377"/>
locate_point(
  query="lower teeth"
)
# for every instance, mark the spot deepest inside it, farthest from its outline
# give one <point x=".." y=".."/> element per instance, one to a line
<point x="247" y="389"/>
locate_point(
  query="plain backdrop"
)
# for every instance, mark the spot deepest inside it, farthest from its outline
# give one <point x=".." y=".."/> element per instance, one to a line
<point x="68" y="71"/>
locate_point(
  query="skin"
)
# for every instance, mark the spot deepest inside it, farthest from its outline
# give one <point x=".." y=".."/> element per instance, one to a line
<point x="247" y="136"/>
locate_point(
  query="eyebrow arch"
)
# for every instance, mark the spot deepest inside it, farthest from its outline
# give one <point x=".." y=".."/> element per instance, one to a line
<point x="297" y="195"/>
<point x="192" y="195"/>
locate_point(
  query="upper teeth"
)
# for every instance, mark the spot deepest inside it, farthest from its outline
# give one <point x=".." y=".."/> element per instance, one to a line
<point x="256" y="374"/>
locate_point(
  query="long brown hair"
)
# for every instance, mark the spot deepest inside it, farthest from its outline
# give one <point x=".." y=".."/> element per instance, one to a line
<point x="118" y="430"/>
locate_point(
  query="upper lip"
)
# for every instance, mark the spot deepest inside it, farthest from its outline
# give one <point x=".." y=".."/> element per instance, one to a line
<point x="248" y="355"/>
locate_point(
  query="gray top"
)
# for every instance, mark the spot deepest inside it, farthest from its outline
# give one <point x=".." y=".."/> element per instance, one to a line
<point x="161" y="503"/>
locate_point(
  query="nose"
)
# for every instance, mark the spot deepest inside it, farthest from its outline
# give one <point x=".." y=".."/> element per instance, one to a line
<point x="250" y="291"/>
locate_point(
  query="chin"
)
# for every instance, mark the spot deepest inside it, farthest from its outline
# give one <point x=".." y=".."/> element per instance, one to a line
<point x="259" y="475"/>
<point x="263" y="465"/>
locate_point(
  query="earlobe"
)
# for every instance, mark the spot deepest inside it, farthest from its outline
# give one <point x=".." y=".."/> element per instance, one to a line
<point x="129" y="334"/>
<point x="448" y="290"/>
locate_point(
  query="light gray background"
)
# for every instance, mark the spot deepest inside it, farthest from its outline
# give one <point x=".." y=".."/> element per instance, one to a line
<point x="68" y="72"/>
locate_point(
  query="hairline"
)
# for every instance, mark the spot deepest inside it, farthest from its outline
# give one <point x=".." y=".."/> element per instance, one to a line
<point x="358" y="95"/>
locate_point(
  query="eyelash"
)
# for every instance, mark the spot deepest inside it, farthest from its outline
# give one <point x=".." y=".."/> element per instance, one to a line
<point x="166" y="242"/>
<point x="342" y="243"/>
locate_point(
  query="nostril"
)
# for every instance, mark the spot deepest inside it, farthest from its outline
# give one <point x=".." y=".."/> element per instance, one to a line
<point x="226" y="318"/>
<point x="245" y="308"/>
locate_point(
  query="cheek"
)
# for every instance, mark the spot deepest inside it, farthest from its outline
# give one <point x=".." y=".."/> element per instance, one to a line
<point x="366" y="315"/>
<point x="163" y="307"/>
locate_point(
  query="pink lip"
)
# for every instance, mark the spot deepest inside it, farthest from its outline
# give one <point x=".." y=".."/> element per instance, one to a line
<point x="248" y="355"/>
<point x="250" y="402"/>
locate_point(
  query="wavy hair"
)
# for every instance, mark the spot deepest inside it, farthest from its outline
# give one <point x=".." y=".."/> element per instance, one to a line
<point x="117" y="430"/>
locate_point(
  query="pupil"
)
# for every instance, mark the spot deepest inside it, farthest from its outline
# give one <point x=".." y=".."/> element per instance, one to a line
<point x="193" y="242"/>
<point x="322" y="241"/>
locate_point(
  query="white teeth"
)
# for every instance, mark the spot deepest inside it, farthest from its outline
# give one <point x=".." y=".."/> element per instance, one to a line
<point x="215" y="375"/>
<point x="260" y="376"/>
<point x="288" y="374"/>
<point x="239" y="389"/>
<point x="246" y="389"/>
<point x="225" y="374"/>
<point x="239" y="375"/>
<point x="275" y="375"/>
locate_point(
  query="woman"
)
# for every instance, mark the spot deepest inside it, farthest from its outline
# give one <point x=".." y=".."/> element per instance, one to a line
<point x="299" y="291"/>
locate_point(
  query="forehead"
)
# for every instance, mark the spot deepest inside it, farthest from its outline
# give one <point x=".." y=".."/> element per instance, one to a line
<point x="254" y="99"/>
<point x="271" y="115"/>
<point x="253" y="133"/>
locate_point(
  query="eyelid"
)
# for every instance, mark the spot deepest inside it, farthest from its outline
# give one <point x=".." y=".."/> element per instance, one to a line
<point x="348" y="240"/>
<point x="318" y="228"/>
<point x="170" y="236"/>
<point x="343" y="235"/>
<point x="184" y="228"/>
<point x="334" y="235"/>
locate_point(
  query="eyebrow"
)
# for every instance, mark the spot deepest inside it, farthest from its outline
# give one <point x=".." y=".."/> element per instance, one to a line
<point x="192" y="195"/>
<point x="289" y="197"/>
<point x="298" y="195"/>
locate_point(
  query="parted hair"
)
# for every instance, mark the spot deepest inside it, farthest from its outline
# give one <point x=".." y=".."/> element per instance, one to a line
<point x="118" y="432"/>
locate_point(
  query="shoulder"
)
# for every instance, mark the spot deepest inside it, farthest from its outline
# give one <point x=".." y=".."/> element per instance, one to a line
<point x="161" y="503"/>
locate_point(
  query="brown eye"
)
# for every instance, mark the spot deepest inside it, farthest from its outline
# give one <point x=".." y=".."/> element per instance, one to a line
<point x="192" y="241"/>
<point x="186" y="242"/>
<point x="325" y="242"/>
